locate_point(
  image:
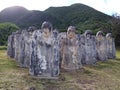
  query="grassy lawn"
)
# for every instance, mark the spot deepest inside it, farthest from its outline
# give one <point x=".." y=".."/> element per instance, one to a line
<point x="102" y="76"/>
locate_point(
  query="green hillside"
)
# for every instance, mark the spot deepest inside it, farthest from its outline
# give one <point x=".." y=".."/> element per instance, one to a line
<point x="82" y="16"/>
<point x="25" y="18"/>
<point x="12" y="14"/>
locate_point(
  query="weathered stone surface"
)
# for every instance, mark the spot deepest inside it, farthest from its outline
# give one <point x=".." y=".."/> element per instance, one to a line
<point x="45" y="51"/>
<point x="82" y="50"/>
<point x="28" y="48"/>
<point x="11" y="45"/>
<point x="70" y="47"/>
<point x="90" y="48"/>
<point x="17" y="44"/>
<point x="101" y="46"/>
<point x="111" y="51"/>
<point x="33" y="59"/>
<point x="61" y="38"/>
<point x="79" y="50"/>
<point x="45" y="54"/>
<point x="22" y="49"/>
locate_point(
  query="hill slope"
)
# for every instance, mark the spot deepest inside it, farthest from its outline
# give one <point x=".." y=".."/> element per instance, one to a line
<point x="25" y="18"/>
<point x="80" y="15"/>
<point x="77" y="13"/>
<point x="11" y="14"/>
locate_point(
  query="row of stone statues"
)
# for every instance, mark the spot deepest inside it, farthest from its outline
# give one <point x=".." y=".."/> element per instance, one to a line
<point x="45" y="51"/>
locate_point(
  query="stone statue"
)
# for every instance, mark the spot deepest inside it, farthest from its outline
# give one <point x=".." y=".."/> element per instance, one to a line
<point x="90" y="48"/>
<point x="82" y="50"/>
<point x="45" y="51"/>
<point x="79" y="50"/>
<point x="111" y="51"/>
<point x="33" y="60"/>
<point x="28" y="46"/>
<point x="17" y="44"/>
<point x="46" y="62"/>
<point x="31" y="29"/>
<point x="70" y="56"/>
<point x="101" y="46"/>
<point x="21" y="59"/>
<point x="11" y="45"/>
<point x="61" y="39"/>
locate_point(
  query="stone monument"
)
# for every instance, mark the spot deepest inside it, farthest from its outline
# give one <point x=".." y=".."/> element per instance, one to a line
<point x="70" y="56"/>
<point x="101" y="46"/>
<point x="45" y="51"/>
<point x="17" y="44"/>
<point x="46" y="61"/>
<point x="11" y="45"/>
<point x="111" y="51"/>
<point x="90" y="48"/>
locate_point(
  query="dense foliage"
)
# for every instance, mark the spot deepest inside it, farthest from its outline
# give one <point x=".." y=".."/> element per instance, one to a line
<point x="82" y="16"/>
<point x="5" y="30"/>
<point x="115" y="28"/>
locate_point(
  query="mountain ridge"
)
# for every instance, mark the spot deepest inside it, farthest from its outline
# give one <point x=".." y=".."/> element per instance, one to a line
<point x="80" y="15"/>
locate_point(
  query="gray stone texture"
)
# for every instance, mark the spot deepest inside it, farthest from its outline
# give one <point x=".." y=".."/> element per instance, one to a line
<point x="71" y="60"/>
<point x="45" y="51"/>
<point x="45" y="55"/>
<point x="111" y="51"/>
<point x="17" y="45"/>
<point x="11" y="45"/>
<point x="101" y="46"/>
<point x="90" y="48"/>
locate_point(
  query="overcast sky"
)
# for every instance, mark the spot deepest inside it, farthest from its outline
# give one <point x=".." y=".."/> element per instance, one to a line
<point x="106" y="6"/>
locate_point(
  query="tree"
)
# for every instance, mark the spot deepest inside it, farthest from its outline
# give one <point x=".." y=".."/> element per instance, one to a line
<point x="5" y="30"/>
<point x="115" y="28"/>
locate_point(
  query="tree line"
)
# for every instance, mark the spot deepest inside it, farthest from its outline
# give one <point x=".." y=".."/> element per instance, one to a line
<point x="113" y="26"/>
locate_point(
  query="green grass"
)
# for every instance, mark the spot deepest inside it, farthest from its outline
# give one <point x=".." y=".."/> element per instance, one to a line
<point x="102" y="76"/>
<point x="3" y="47"/>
